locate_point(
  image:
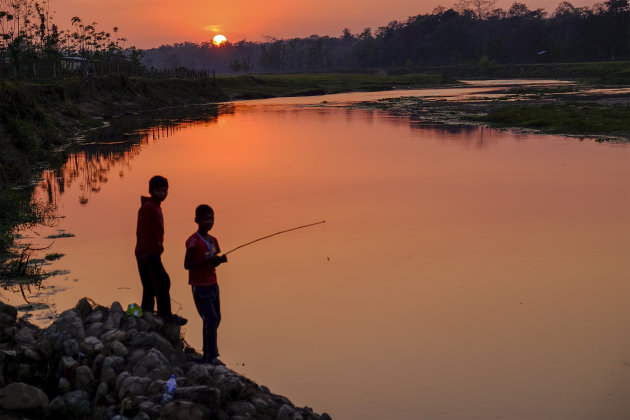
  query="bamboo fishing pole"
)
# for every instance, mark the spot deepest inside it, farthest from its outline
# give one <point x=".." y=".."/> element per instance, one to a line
<point x="274" y="234"/>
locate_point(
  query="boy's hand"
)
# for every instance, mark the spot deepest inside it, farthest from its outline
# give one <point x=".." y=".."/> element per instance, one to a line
<point x="217" y="259"/>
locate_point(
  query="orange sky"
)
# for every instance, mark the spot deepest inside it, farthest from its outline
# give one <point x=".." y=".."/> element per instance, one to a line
<point x="151" y="23"/>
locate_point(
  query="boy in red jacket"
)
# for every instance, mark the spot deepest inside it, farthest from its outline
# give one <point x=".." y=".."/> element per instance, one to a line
<point x="149" y="247"/>
<point x="201" y="260"/>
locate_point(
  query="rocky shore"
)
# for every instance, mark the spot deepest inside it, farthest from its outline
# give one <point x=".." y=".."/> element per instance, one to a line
<point x="95" y="362"/>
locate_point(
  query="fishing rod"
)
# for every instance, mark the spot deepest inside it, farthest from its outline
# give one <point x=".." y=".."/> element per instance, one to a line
<point x="274" y="234"/>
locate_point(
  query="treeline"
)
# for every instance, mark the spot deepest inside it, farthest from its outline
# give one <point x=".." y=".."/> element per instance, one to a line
<point x="33" y="47"/>
<point x="470" y="32"/>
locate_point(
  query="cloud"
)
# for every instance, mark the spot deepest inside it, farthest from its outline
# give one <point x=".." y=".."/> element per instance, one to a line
<point x="213" y="28"/>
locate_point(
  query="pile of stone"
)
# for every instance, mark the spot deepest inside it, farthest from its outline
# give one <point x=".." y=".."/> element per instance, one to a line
<point x="96" y="362"/>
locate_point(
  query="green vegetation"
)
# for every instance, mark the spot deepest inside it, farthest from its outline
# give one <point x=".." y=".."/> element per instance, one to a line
<point x="272" y="85"/>
<point x="36" y="117"/>
<point x="609" y="73"/>
<point x="32" y="47"/>
<point x="567" y="110"/>
<point x="571" y="118"/>
<point x="53" y="257"/>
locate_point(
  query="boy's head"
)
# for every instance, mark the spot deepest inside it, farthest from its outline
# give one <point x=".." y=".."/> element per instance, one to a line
<point x="158" y="187"/>
<point x="204" y="217"/>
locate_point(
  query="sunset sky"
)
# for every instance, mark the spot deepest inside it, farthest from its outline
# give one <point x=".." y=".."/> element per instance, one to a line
<point x="151" y="23"/>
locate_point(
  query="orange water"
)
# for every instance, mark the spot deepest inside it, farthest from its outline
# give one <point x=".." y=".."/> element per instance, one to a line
<point x="470" y="274"/>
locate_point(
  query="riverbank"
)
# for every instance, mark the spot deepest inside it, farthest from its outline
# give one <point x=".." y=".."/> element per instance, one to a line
<point x="95" y="362"/>
<point x="570" y="110"/>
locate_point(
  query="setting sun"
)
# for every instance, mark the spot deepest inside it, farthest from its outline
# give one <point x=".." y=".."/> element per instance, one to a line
<point x="219" y="39"/>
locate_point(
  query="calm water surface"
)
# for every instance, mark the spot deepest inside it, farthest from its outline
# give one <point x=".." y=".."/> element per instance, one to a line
<point x="468" y="274"/>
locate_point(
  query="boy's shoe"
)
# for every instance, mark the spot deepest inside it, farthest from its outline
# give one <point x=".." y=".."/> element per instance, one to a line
<point x="177" y="320"/>
<point x="200" y="360"/>
<point x="207" y="361"/>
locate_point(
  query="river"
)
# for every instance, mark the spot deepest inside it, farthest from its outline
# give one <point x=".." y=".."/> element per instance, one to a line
<point x="461" y="273"/>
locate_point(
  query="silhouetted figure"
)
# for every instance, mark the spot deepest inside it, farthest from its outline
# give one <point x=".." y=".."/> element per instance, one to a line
<point x="149" y="247"/>
<point x="201" y="261"/>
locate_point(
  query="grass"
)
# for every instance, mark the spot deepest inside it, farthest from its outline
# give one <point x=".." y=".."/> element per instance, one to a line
<point x="572" y="118"/>
<point x="272" y="85"/>
<point x="609" y="73"/>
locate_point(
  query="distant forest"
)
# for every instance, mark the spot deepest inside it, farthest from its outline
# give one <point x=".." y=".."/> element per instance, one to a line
<point x="471" y="32"/>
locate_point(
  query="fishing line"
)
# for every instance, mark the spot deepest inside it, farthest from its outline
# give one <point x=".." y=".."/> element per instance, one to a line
<point x="273" y="234"/>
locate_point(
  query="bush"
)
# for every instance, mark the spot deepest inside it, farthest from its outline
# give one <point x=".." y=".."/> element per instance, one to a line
<point x="21" y="134"/>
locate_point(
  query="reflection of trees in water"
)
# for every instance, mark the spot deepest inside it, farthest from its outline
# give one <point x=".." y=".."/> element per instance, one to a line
<point x="90" y="168"/>
<point x="464" y="134"/>
<point x="49" y="188"/>
<point x="112" y="149"/>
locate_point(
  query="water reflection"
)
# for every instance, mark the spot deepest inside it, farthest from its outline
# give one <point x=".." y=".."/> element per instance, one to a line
<point x="467" y="135"/>
<point x="490" y="267"/>
<point x="111" y="149"/>
<point x="105" y="152"/>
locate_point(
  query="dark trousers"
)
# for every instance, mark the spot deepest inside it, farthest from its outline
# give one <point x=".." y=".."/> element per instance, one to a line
<point x="155" y="286"/>
<point x="209" y="308"/>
